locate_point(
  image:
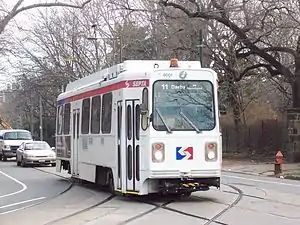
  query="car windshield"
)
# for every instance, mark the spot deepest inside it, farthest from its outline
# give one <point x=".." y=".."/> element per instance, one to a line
<point x="183" y="105"/>
<point x="17" y="135"/>
<point x="37" y="146"/>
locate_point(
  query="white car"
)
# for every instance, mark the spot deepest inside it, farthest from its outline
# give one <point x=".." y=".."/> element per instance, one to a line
<point x="10" y="141"/>
<point x="35" y="152"/>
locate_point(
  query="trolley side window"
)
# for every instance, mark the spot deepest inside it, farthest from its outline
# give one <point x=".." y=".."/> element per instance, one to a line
<point x="59" y="120"/>
<point x="85" y="122"/>
<point x="106" y="113"/>
<point x="137" y="118"/>
<point x="95" y="118"/>
<point x="129" y="122"/>
<point x="67" y="117"/>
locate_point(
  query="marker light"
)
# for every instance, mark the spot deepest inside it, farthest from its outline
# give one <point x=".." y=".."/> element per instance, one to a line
<point x="158" y="146"/>
<point x="174" y="62"/>
<point x="211" y="151"/>
<point x="158" y="152"/>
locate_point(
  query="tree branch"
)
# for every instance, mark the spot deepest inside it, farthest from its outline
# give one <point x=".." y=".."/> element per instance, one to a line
<point x="269" y="49"/>
<point x="272" y="71"/>
<point x="15" y="11"/>
<point x="236" y="29"/>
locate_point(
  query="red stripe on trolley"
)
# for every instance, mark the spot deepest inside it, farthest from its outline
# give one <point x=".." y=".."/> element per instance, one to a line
<point x="107" y="89"/>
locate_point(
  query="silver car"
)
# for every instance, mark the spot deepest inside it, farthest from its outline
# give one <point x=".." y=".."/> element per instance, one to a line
<point x="35" y="152"/>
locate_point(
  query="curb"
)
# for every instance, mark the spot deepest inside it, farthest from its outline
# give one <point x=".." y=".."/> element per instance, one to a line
<point x="241" y="172"/>
<point x="262" y="174"/>
<point x="292" y="177"/>
<point x="51" y="173"/>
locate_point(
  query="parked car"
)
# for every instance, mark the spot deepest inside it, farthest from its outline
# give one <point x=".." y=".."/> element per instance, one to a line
<point x="10" y="141"/>
<point x="35" y="152"/>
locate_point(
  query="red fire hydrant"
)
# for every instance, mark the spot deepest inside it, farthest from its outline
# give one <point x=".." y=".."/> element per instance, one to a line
<point x="278" y="163"/>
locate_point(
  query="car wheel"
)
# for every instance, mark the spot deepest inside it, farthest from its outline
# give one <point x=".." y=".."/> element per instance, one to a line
<point x="18" y="162"/>
<point x="4" y="158"/>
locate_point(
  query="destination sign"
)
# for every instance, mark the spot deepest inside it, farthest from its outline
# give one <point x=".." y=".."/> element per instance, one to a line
<point x="190" y="85"/>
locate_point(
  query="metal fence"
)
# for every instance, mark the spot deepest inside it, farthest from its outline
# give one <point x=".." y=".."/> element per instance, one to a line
<point x="263" y="137"/>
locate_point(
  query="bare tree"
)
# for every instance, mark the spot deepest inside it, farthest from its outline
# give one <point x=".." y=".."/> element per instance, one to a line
<point x="270" y="17"/>
<point x="59" y="47"/>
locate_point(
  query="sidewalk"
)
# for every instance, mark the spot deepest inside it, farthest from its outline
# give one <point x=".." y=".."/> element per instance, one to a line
<point x="244" y="166"/>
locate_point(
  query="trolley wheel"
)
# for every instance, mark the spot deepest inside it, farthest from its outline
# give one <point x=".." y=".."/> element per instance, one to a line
<point x="111" y="186"/>
<point x="69" y="168"/>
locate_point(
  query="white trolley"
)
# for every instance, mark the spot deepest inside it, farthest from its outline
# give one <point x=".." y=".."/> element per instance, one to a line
<point x="142" y="126"/>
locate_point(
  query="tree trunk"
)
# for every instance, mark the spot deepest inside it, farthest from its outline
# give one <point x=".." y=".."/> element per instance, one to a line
<point x="296" y="91"/>
<point x="293" y="115"/>
<point x="235" y="104"/>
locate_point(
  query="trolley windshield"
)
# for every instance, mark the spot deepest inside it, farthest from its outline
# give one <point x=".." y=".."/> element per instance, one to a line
<point x="183" y="105"/>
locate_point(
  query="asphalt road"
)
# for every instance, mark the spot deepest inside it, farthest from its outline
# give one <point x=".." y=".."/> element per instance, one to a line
<point x="261" y="201"/>
<point x="22" y="187"/>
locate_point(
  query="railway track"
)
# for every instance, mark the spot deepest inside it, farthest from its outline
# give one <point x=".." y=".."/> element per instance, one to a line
<point x="264" y="199"/>
<point x="109" y="198"/>
<point x="165" y="206"/>
<point x="208" y="221"/>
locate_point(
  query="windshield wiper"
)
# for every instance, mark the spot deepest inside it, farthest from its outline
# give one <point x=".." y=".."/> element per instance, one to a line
<point x="162" y="119"/>
<point x="190" y="122"/>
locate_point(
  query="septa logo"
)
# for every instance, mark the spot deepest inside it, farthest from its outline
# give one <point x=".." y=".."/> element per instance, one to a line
<point x="184" y="153"/>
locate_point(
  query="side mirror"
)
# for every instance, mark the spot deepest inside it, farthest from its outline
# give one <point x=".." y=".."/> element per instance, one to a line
<point x="222" y="109"/>
<point x="143" y="109"/>
<point x="144" y="112"/>
<point x="144" y="117"/>
<point x="53" y="148"/>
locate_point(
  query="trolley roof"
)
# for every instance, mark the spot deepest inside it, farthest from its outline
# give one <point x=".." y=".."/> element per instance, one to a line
<point x="132" y="66"/>
<point x="128" y="70"/>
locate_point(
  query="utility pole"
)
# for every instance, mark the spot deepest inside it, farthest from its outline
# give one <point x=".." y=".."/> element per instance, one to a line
<point x="121" y="48"/>
<point x="31" y="113"/>
<point x="201" y="47"/>
<point x="94" y="26"/>
<point x="41" y="119"/>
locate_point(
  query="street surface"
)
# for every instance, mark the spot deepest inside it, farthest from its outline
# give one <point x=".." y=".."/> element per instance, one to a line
<point x="242" y="200"/>
<point x="22" y="187"/>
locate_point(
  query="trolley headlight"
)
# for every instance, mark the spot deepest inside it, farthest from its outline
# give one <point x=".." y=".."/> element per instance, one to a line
<point x="158" y="152"/>
<point x="211" y="151"/>
<point x="211" y="155"/>
<point x="158" y="155"/>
